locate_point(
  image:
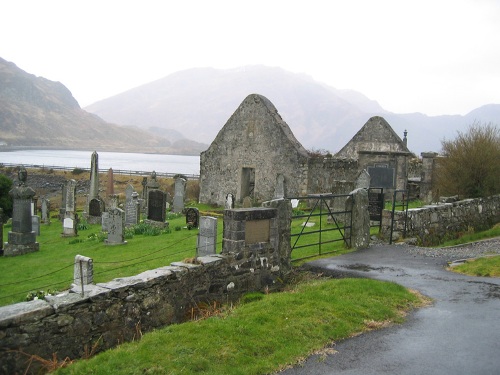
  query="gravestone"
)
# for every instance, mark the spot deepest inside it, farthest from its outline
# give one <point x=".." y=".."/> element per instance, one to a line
<point x="132" y="210"/>
<point x="279" y="190"/>
<point x="96" y="208"/>
<point x="207" y="236"/>
<point x="152" y="184"/>
<point x="70" y="217"/>
<point x="104" y="221"/>
<point x="94" y="177"/>
<point x="363" y="180"/>
<point x="247" y="202"/>
<point x="128" y="192"/>
<point x="144" y="183"/>
<point x="156" y="205"/>
<point x="35" y="224"/>
<point x="62" y="208"/>
<point x="192" y="217"/>
<point x="179" y="193"/>
<point x="45" y="211"/>
<point x="116" y="224"/>
<point x="22" y="239"/>
<point x="229" y="203"/>
<point x="110" y="184"/>
<point x="83" y="271"/>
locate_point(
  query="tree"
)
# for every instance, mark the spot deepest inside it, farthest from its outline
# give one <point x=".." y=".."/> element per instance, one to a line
<point x="5" y="198"/>
<point x="471" y="164"/>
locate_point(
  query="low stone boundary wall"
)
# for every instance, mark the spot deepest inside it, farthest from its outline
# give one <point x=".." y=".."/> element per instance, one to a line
<point x="434" y="223"/>
<point x="121" y="310"/>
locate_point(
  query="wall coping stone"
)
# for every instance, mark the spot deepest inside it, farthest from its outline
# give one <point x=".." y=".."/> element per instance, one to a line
<point x="25" y="312"/>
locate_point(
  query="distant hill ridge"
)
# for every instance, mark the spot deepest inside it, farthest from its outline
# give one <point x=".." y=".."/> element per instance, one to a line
<point x="198" y="102"/>
<point x="39" y="113"/>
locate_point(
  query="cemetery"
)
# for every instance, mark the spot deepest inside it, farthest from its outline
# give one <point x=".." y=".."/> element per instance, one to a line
<point x="114" y="255"/>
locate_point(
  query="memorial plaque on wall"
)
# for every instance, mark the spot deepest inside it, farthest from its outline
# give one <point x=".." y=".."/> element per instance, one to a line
<point x="381" y="177"/>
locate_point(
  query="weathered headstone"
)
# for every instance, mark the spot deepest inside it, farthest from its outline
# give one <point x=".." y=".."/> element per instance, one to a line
<point x="70" y="217"/>
<point x="279" y="190"/>
<point x="94" y="176"/>
<point x="96" y="208"/>
<point x="22" y="239"/>
<point x="128" y="192"/>
<point x="152" y="184"/>
<point x="144" y="183"/>
<point x="45" y="211"/>
<point x="105" y="221"/>
<point x="110" y="185"/>
<point x="132" y="210"/>
<point x="229" y="203"/>
<point x="192" y="218"/>
<point x="363" y="180"/>
<point x="247" y="202"/>
<point x="179" y="193"/>
<point x="35" y="224"/>
<point x="116" y="224"/>
<point x="207" y="236"/>
<point x="156" y="205"/>
<point x="114" y="201"/>
<point x="83" y="271"/>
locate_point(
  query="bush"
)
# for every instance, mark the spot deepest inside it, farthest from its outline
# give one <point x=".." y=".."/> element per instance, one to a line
<point x="471" y="164"/>
<point x="78" y="171"/>
<point x="5" y="198"/>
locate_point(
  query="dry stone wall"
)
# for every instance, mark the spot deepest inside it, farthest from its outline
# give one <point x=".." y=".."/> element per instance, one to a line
<point x="434" y="223"/>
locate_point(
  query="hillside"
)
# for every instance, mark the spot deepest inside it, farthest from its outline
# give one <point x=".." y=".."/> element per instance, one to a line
<point x="39" y="113"/>
<point x="198" y="102"/>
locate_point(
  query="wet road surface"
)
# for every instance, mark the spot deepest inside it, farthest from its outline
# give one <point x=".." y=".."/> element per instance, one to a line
<point x="458" y="334"/>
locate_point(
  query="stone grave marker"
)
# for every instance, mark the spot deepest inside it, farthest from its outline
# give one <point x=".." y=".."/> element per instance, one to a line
<point x="104" y="221"/>
<point x="247" y="202"/>
<point x="94" y="176"/>
<point x="192" y="218"/>
<point x="70" y="217"/>
<point x="22" y="239"/>
<point x="110" y="184"/>
<point x="179" y="193"/>
<point x="96" y="208"/>
<point x="156" y="205"/>
<point x="83" y="270"/>
<point x="128" y="192"/>
<point x="116" y="224"/>
<point x="363" y="180"/>
<point x="279" y="191"/>
<point x="152" y="184"/>
<point x="62" y="208"/>
<point x="229" y="203"/>
<point x="35" y="224"/>
<point x="46" y="211"/>
<point x="207" y="236"/>
<point x="132" y="210"/>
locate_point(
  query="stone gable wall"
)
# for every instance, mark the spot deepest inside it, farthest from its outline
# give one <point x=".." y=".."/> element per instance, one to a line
<point x="431" y="224"/>
<point x="254" y="137"/>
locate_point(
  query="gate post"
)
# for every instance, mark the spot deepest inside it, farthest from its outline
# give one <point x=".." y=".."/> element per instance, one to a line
<point x="359" y="232"/>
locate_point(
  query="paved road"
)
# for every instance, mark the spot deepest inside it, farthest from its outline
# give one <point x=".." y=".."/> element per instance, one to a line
<point x="458" y="334"/>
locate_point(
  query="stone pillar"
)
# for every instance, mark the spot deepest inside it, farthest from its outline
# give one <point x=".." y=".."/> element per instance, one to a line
<point x="94" y="176"/>
<point x="110" y="184"/>
<point x="70" y="216"/>
<point x="426" y="181"/>
<point x="284" y="228"/>
<point x="360" y="230"/>
<point x="22" y="239"/>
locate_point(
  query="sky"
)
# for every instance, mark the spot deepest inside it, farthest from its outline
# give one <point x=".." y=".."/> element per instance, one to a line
<point x="430" y="56"/>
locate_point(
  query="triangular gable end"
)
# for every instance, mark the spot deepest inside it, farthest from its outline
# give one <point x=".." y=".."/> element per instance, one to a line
<point x="375" y="135"/>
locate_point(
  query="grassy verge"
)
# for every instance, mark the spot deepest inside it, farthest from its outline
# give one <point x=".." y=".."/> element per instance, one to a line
<point x="262" y="336"/>
<point x="474" y="236"/>
<point x="486" y="267"/>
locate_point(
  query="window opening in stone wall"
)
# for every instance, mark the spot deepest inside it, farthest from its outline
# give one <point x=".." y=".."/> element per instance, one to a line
<point x="247" y="182"/>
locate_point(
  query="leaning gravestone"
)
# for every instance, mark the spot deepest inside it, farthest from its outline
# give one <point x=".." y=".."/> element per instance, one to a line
<point x="116" y="224"/>
<point x="70" y="216"/>
<point x="156" y="205"/>
<point x="132" y="210"/>
<point x="45" y="211"/>
<point x="22" y="239"/>
<point x="179" y="193"/>
<point x="207" y="236"/>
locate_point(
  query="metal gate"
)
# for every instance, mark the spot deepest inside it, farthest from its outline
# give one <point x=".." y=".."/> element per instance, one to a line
<point x="334" y="224"/>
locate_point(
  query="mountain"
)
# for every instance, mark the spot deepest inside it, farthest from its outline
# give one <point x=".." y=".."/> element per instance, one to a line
<point x="39" y="113"/>
<point x="198" y="102"/>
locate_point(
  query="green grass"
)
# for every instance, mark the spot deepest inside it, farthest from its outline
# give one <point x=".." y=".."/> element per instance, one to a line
<point x="52" y="266"/>
<point x="485" y="267"/>
<point x="473" y="236"/>
<point x="261" y="336"/>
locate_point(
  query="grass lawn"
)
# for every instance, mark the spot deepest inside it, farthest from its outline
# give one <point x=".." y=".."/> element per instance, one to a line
<point x="261" y="336"/>
<point x="485" y="266"/>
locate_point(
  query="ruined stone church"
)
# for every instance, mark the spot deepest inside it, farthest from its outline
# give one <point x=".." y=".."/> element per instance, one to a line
<point x="256" y="155"/>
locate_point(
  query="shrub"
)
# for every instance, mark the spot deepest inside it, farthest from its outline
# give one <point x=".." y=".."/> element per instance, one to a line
<point x="78" y="171"/>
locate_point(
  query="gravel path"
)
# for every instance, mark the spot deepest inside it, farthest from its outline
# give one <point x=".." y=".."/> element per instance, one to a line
<point x="451" y="253"/>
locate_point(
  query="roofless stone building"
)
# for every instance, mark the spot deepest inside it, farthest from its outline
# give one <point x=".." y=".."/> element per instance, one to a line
<point x="256" y="155"/>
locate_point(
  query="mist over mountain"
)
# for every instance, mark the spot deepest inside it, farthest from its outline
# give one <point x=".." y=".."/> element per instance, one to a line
<point x="38" y="113"/>
<point x="198" y="102"/>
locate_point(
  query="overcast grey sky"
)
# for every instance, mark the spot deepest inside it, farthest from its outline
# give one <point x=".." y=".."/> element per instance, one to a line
<point x="429" y="56"/>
